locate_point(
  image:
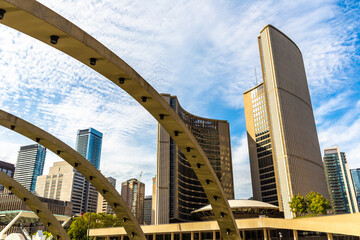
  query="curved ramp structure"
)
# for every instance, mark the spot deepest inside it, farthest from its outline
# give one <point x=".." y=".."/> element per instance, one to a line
<point x="35" y="205"/>
<point x="82" y="165"/>
<point x="35" y="20"/>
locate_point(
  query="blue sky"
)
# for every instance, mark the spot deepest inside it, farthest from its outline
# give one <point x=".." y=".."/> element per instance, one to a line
<point x="205" y="52"/>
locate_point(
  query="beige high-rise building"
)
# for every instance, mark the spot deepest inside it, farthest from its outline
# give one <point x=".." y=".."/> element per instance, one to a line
<point x="63" y="183"/>
<point x="133" y="192"/>
<point x="284" y="150"/>
<point x="153" y="205"/>
<point x="102" y="205"/>
<point x="178" y="190"/>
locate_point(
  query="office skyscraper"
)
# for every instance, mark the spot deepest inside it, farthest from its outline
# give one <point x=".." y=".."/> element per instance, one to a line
<point x="133" y="193"/>
<point x="102" y="205"/>
<point x="284" y="150"/>
<point x="355" y="173"/>
<point x="178" y="191"/>
<point x="7" y="168"/>
<point x="153" y="206"/>
<point x="63" y="183"/>
<point x="147" y="210"/>
<point x="340" y="184"/>
<point x="88" y="144"/>
<point x="30" y="165"/>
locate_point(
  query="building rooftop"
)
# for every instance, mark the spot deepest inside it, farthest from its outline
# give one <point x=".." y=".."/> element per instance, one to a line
<point x="241" y="203"/>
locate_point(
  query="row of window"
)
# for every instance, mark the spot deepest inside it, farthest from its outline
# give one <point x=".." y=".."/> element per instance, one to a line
<point x="265" y="126"/>
<point x="260" y="118"/>
<point x="258" y="103"/>
<point x="259" y="113"/>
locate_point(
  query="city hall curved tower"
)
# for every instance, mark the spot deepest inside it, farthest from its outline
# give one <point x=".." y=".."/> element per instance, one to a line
<point x="178" y="190"/>
<point x="284" y="150"/>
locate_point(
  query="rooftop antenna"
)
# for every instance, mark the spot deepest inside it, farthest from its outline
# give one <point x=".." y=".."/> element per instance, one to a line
<point x="256" y="78"/>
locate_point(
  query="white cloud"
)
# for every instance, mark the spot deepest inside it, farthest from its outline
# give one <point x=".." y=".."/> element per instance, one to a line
<point x="344" y="133"/>
<point x="241" y="168"/>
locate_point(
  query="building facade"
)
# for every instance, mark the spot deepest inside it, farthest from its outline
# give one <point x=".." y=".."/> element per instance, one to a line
<point x="88" y="144"/>
<point x="133" y="193"/>
<point x="153" y="206"/>
<point x="30" y="165"/>
<point x="355" y="173"/>
<point x="284" y="150"/>
<point x="7" y="168"/>
<point x="340" y="184"/>
<point x="147" y="210"/>
<point x="10" y="204"/>
<point x="178" y="191"/>
<point x="102" y="205"/>
<point x="63" y="183"/>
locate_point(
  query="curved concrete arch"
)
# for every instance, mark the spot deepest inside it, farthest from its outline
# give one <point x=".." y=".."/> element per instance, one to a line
<point x="35" y="205"/>
<point x="39" y="22"/>
<point x="129" y="222"/>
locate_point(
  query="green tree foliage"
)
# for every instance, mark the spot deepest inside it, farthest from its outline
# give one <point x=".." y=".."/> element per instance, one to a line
<point x="79" y="227"/>
<point x="317" y="204"/>
<point x="314" y="203"/>
<point x="298" y="204"/>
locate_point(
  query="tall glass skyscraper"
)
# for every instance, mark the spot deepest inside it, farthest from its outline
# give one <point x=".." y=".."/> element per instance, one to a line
<point x="88" y="144"/>
<point x="30" y="165"/>
<point x="340" y="184"/>
<point x="355" y="173"/>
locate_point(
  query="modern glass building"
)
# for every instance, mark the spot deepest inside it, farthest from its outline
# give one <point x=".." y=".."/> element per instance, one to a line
<point x="7" y="168"/>
<point x="340" y="184"/>
<point x="178" y="190"/>
<point x="88" y="144"/>
<point x="30" y="165"/>
<point x="284" y="151"/>
<point x="355" y="173"/>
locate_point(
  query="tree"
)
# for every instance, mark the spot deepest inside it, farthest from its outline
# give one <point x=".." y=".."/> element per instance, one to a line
<point x="298" y="205"/>
<point x="317" y="204"/>
<point x="79" y="227"/>
<point x="314" y="203"/>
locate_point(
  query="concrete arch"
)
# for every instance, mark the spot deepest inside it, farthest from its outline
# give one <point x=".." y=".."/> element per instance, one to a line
<point x="129" y="222"/>
<point x="35" y="205"/>
<point x="39" y="22"/>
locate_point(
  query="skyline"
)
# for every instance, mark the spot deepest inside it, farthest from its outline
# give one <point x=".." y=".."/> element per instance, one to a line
<point x="163" y="52"/>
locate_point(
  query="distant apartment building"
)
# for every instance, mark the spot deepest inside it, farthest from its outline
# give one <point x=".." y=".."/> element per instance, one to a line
<point x="340" y="184"/>
<point x="103" y="206"/>
<point x="30" y="165"/>
<point x="147" y="210"/>
<point x="178" y="190"/>
<point x="63" y="183"/>
<point x="284" y="151"/>
<point x="133" y="193"/>
<point x="7" y="168"/>
<point x="355" y="173"/>
<point x="88" y="144"/>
